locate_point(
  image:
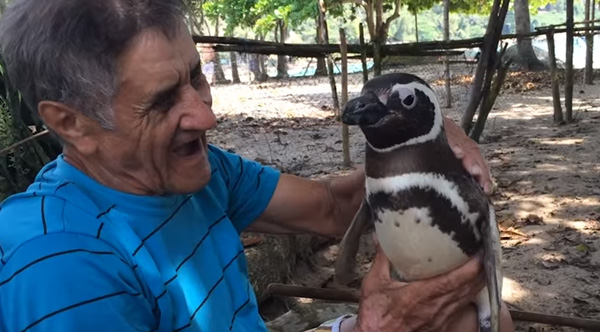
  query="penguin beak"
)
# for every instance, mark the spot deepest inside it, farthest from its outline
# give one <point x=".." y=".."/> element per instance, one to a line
<point x="365" y="110"/>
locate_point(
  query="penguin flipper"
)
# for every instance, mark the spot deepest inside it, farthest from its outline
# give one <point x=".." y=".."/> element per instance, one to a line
<point x="346" y="260"/>
<point x="492" y="265"/>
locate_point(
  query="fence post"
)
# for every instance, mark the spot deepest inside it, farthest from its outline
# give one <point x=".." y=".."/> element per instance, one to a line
<point x="363" y="52"/>
<point x="558" y="115"/>
<point x="446" y="58"/>
<point x="589" y="43"/>
<point x="569" y="64"/>
<point x="345" y="133"/>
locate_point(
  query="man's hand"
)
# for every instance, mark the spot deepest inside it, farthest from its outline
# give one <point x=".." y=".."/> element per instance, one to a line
<point x="429" y="305"/>
<point x="466" y="149"/>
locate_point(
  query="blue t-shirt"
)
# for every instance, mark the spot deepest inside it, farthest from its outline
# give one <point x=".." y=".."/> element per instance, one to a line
<point x="78" y="256"/>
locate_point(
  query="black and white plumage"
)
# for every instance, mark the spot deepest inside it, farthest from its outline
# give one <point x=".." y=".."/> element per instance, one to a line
<point x="429" y="213"/>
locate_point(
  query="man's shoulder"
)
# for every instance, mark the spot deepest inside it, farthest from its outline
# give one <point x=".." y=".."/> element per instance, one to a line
<point x="42" y="210"/>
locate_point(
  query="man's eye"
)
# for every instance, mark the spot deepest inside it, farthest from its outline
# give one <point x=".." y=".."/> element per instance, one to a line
<point x="164" y="104"/>
<point x="197" y="81"/>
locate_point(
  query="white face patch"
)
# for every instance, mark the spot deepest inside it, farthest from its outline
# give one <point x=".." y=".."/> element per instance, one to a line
<point x="415" y="246"/>
<point x="437" y="122"/>
<point x="407" y="96"/>
<point x="434" y="181"/>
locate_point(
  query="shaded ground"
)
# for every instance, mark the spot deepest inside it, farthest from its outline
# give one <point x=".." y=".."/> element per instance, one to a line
<point x="547" y="177"/>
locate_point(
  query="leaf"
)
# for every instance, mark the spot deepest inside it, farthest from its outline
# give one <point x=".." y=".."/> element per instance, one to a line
<point x="582" y="247"/>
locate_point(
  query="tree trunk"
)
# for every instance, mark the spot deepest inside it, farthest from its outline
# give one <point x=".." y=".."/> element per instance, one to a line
<point x="447" y="63"/>
<point x="219" y="75"/>
<point x="377" y="58"/>
<point x="363" y="52"/>
<point x="486" y="107"/>
<point x="281" y="59"/>
<point x="589" y="43"/>
<point x="263" y="76"/>
<point x="235" y="75"/>
<point x="321" y="66"/>
<point x="330" y="72"/>
<point x="195" y="25"/>
<point x="486" y="62"/>
<point x="416" y="26"/>
<point x="527" y="58"/>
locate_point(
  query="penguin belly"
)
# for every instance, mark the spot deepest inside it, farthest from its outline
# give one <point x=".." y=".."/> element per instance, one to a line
<point x="415" y="246"/>
<point x="424" y="224"/>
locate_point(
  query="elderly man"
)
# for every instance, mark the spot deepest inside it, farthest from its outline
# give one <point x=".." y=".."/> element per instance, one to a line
<point x="135" y="227"/>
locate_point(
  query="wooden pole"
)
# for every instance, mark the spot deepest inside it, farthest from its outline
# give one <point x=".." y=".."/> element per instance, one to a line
<point x="330" y="72"/>
<point x="569" y="64"/>
<point x="345" y="133"/>
<point x="589" y="42"/>
<point x="558" y="114"/>
<point x="352" y="296"/>
<point x="363" y="52"/>
<point x="446" y="62"/>
<point x="487" y="49"/>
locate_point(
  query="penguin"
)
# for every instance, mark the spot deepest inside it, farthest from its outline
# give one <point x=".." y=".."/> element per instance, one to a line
<point x="429" y="214"/>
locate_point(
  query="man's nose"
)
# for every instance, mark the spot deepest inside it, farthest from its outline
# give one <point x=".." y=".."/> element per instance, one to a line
<point x="198" y="113"/>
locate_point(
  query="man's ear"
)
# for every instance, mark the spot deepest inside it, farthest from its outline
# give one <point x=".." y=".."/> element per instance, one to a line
<point x="73" y="127"/>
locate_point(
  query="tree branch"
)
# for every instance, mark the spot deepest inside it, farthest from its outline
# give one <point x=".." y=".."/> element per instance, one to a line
<point x="390" y="19"/>
<point x="368" y="7"/>
<point x="379" y="17"/>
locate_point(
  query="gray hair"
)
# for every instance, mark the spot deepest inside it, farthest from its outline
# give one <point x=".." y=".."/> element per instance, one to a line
<point x="67" y="50"/>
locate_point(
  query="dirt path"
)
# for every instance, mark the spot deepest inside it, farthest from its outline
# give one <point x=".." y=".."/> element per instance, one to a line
<point x="548" y="203"/>
<point x="547" y="177"/>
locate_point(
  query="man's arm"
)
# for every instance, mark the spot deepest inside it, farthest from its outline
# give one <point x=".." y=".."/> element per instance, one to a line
<point x="320" y="207"/>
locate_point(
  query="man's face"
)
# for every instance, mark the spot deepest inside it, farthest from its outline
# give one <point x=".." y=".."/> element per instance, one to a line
<point x="162" y="112"/>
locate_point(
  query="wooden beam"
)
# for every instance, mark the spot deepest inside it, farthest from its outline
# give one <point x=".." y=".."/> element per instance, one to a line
<point x="430" y="48"/>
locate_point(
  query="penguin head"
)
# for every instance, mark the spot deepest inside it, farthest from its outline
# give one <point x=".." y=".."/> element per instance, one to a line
<point x="395" y="110"/>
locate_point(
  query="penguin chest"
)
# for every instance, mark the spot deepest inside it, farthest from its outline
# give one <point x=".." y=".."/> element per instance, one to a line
<point x="425" y="225"/>
<point x="415" y="246"/>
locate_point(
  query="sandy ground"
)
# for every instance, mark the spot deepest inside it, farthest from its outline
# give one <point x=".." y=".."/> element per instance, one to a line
<point x="547" y="177"/>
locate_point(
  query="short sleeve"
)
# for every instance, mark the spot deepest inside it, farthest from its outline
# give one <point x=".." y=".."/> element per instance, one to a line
<point x="250" y="186"/>
<point x="70" y="282"/>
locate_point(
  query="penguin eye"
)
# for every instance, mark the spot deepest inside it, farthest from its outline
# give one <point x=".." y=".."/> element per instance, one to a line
<point x="407" y="96"/>
<point x="409" y="102"/>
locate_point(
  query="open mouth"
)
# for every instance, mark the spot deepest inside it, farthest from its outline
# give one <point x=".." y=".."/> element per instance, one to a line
<point x="188" y="149"/>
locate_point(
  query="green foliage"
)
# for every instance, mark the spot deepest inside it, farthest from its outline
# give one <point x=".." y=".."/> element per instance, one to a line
<point x="468" y="18"/>
<point x="417" y="6"/>
<point x="261" y="16"/>
<point x="19" y="166"/>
